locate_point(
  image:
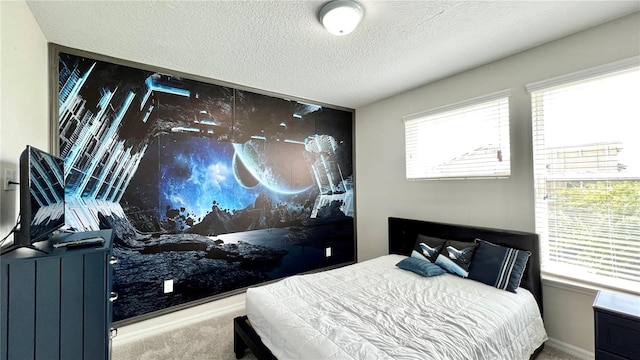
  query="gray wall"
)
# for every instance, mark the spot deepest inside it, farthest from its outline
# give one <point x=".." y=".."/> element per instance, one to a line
<point x="24" y="115"/>
<point x="503" y="203"/>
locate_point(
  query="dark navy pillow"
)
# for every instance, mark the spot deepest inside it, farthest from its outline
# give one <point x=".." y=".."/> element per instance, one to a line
<point x="427" y="247"/>
<point x="420" y="267"/>
<point x="498" y="266"/>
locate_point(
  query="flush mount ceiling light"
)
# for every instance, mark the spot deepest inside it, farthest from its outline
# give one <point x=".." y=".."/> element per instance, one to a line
<point x="341" y="17"/>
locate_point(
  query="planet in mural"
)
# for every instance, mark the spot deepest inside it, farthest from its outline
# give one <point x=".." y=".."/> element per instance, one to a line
<point x="280" y="167"/>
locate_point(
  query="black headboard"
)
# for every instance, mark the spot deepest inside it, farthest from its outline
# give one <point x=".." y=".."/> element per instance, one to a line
<point x="403" y="233"/>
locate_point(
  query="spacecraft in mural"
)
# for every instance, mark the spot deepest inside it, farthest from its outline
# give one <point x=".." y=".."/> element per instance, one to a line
<point x="213" y="187"/>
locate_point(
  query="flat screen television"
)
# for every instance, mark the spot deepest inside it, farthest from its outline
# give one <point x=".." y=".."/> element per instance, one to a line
<point x="41" y="198"/>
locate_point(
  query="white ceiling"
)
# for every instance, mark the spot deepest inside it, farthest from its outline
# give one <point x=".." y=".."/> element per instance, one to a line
<point x="280" y="46"/>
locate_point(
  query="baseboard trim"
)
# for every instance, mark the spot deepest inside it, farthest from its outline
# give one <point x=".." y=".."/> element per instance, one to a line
<point x="161" y="324"/>
<point x="570" y="349"/>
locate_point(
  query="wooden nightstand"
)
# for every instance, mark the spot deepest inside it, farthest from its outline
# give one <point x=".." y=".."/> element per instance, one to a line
<point x="617" y="326"/>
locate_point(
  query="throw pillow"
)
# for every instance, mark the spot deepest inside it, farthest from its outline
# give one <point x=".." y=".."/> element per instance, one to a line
<point x="498" y="266"/>
<point x="420" y="267"/>
<point x="427" y="247"/>
<point x="456" y="257"/>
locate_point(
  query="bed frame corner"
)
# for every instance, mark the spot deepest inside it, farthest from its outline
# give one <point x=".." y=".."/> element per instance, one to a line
<point x="244" y="337"/>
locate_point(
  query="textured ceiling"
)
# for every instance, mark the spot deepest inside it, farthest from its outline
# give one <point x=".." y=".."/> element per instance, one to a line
<point x="280" y="46"/>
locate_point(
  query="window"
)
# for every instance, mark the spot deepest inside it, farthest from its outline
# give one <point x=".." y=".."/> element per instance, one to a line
<point x="469" y="139"/>
<point x="586" y="149"/>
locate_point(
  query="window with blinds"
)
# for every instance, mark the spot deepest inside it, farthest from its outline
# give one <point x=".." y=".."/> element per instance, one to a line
<point x="586" y="148"/>
<point x="465" y="140"/>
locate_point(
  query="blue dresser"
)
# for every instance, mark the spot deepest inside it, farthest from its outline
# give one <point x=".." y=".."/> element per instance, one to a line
<point x="57" y="305"/>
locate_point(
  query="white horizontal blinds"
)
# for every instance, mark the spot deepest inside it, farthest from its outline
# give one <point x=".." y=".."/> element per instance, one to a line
<point x="469" y="139"/>
<point x="586" y="147"/>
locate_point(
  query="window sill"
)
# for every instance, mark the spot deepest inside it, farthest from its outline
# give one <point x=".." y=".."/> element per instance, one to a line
<point x="581" y="287"/>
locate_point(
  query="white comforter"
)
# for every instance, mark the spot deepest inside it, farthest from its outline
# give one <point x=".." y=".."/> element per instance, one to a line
<point x="374" y="310"/>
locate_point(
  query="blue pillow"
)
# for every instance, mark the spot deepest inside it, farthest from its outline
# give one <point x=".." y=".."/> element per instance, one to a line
<point x="420" y="267"/>
<point x="456" y="257"/>
<point x="427" y="247"/>
<point x="498" y="266"/>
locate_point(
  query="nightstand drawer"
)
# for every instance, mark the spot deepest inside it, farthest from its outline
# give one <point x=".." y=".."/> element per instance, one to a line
<point x="603" y="355"/>
<point x="617" y="326"/>
<point x="618" y="335"/>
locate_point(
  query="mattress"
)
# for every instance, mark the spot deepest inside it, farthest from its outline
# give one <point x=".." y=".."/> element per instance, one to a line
<point x="375" y="310"/>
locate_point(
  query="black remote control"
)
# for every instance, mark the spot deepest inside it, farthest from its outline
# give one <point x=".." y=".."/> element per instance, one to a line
<point x="80" y="243"/>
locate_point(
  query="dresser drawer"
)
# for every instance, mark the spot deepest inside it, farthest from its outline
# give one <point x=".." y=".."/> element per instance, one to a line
<point x="617" y="335"/>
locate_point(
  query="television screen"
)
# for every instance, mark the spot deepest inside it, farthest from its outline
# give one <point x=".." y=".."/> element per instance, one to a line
<point x="42" y="194"/>
<point x="41" y="198"/>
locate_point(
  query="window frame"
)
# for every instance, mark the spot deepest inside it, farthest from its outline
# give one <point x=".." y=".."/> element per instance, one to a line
<point x="448" y="112"/>
<point x="542" y="229"/>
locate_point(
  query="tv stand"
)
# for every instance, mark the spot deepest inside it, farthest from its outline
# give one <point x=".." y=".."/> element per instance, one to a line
<point x="18" y="244"/>
<point x="15" y="246"/>
<point x="55" y="303"/>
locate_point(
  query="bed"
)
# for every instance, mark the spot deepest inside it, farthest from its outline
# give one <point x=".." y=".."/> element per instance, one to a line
<point x="374" y="309"/>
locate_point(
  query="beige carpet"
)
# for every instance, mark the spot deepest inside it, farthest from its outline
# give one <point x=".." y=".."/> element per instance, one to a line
<point x="213" y="340"/>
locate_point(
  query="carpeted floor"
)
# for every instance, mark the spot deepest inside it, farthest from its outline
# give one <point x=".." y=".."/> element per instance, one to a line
<point x="213" y="340"/>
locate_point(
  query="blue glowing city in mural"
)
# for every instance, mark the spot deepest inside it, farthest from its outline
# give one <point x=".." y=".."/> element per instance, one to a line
<point x="213" y="187"/>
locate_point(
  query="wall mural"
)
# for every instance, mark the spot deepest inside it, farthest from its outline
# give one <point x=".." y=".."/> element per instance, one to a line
<point x="213" y="187"/>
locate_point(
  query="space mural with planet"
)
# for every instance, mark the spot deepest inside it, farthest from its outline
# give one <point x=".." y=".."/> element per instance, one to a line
<point x="208" y="186"/>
